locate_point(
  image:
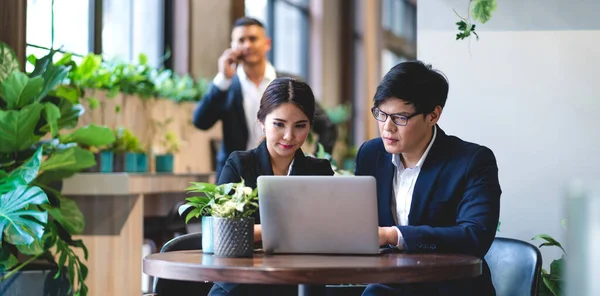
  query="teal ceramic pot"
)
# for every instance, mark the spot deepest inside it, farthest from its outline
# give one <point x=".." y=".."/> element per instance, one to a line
<point x="207" y="235"/>
<point x="142" y="162"/>
<point x="105" y="161"/>
<point x="164" y="163"/>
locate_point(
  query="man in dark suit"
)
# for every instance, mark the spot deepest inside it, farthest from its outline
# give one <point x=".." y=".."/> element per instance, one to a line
<point x="435" y="192"/>
<point x="234" y="95"/>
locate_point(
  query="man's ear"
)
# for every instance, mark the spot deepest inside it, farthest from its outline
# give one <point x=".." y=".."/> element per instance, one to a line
<point x="434" y="116"/>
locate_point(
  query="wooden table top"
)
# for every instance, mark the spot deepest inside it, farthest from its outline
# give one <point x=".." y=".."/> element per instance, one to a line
<point x="312" y="269"/>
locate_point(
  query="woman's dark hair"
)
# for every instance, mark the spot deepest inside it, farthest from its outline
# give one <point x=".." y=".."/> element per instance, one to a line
<point x="415" y="83"/>
<point x="287" y="90"/>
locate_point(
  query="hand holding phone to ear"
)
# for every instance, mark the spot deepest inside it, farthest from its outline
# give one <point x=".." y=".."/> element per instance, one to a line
<point x="228" y="62"/>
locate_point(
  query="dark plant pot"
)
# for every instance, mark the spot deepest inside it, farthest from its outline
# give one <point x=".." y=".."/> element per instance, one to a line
<point x="36" y="279"/>
<point x="164" y="163"/>
<point x="125" y="162"/>
<point x="141" y="162"/>
<point x="207" y="235"/>
<point x="233" y="237"/>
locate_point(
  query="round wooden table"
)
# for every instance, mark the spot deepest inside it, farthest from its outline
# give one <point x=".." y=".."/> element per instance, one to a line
<point x="312" y="269"/>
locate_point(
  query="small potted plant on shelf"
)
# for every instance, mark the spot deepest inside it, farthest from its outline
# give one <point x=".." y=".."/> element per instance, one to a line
<point x="170" y="144"/>
<point x="125" y="149"/>
<point x="230" y="207"/>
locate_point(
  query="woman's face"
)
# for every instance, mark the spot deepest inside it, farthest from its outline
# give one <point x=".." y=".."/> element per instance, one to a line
<point x="286" y="129"/>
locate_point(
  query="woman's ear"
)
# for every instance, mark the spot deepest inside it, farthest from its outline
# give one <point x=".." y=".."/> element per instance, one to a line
<point x="262" y="126"/>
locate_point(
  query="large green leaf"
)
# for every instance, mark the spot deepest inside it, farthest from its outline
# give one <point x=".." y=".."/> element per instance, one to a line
<point x="35" y="248"/>
<point x="52" y="113"/>
<point x="90" y="135"/>
<point x="15" y="220"/>
<point x="69" y="114"/>
<point x="18" y="90"/>
<point x="54" y="175"/>
<point x="22" y="175"/>
<point x="17" y="127"/>
<point x="69" y="93"/>
<point x="53" y="76"/>
<point x="8" y="61"/>
<point x="73" y="159"/>
<point x="67" y="214"/>
<point x="481" y="10"/>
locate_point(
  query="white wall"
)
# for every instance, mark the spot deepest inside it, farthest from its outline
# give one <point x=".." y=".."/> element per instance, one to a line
<point x="529" y="89"/>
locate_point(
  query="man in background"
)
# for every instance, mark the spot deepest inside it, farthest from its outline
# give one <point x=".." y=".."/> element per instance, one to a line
<point x="235" y="93"/>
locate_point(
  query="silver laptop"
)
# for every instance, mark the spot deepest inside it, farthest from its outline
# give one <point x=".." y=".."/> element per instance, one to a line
<point x="318" y="214"/>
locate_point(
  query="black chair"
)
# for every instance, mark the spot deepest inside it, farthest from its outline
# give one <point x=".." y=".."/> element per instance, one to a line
<point x="515" y="266"/>
<point x="166" y="287"/>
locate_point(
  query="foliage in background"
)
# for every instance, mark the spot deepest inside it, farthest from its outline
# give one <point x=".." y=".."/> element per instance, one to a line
<point x="478" y="10"/>
<point x="553" y="281"/>
<point x="40" y="146"/>
<point x="231" y="200"/>
<point x="117" y="76"/>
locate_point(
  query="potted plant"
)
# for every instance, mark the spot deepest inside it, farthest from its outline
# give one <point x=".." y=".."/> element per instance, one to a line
<point x="231" y="206"/>
<point x="552" y="281"/>
<point x="170" y="144"/>
<point x="36" y="153"/>
<point x="125" y="149"/>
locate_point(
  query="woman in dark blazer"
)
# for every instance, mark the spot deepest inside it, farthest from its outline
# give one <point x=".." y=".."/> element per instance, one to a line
<point x="286" y="115"/>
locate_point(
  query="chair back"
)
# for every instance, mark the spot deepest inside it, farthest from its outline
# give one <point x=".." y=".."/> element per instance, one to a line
<point x="166" y="287"/>
<point x="515" y="266"/>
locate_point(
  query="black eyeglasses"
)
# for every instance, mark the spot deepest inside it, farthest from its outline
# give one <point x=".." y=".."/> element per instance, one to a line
<point x="397" y="119"/>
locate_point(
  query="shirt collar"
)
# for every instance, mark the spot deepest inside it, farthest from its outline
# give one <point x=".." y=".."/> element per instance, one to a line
<point x="396" y="157"/>
<point x="270" y="73"/>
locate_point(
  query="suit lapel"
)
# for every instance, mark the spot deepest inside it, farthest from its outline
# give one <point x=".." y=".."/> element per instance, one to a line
<point x="427" y="176"/>
<point x="384" y="176"/>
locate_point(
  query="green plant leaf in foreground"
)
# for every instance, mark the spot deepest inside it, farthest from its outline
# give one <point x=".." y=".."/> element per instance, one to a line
<point x="8" y="61"/>
<point x="73" y="159"/>
<point x="90" y="135"/>
<point x="481" y="10"/>
<point x="13" y="222"/>
<point x="18" y="90"/>
<point x="17" y="127"/>
<point x="22" y="175"/>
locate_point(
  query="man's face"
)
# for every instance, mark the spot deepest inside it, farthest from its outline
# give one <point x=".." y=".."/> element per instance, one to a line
<point x="252" y="43"/>
<point x="411" y="137"/>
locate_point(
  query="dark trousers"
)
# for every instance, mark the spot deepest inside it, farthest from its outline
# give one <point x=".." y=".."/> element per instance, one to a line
<point x="231" y="289"/>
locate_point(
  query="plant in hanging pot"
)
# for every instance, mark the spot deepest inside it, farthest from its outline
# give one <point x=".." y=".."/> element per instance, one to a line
<point x="231" y="206"/>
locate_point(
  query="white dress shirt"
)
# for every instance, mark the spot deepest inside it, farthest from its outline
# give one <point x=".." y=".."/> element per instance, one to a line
<point x="252" y="95"/>
<point x="403" y="188"/>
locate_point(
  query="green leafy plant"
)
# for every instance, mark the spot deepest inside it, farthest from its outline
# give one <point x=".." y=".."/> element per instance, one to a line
<point x="38" y="123"/>
<point x="125" y="141"/>
<point x="231" y="200"/>
<point x="478" y="10"/>
<point x="553" y="279"/>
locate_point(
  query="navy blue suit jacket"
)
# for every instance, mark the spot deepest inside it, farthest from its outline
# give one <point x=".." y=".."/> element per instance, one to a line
<point x="455" y="205"/>
<point x="228" y="106"/>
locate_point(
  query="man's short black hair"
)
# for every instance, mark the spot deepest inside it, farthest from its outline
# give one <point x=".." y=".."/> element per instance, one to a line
<point x="415" y="83"/>
<point x="247" y="21"/>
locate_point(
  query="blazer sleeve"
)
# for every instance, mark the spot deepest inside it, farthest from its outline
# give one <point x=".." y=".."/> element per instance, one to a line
<point x="208" y="110"/>
<point x="325" y="128"/>
<point x="231" y="172"/>
<point x="477" y="214"/>
<point x="359" y="168"/>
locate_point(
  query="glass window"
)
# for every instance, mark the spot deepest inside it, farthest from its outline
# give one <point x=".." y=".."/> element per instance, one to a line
<point x="131" y="27"/>
<point x="69" y="29"/>
<point x="290" y="40"/>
